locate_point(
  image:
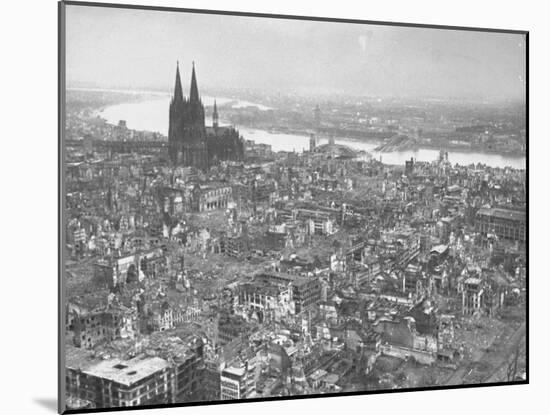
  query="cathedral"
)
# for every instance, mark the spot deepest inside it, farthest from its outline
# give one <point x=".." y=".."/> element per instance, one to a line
<point x="190" y="141"/>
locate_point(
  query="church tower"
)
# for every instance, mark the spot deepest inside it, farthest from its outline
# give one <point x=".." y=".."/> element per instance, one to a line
<point x="190" y="142"/>
<point x="194" y="131"/>
<point x="194" y="90"/>
<point x="175" y="126"/>
<point x="186" y="130"/>
<point x="215" y="116"/>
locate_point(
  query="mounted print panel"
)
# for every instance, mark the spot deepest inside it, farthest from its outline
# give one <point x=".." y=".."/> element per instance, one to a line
<point x="260" y="207"/>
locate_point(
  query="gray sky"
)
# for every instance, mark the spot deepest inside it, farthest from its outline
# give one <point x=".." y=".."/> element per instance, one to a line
<point x="109" y="47"/>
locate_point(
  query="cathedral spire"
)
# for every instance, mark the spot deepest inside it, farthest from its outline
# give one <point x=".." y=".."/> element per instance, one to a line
<point x="194" y="93"/>
<point x="215" y="116"/>
<point x="178" y="91"/>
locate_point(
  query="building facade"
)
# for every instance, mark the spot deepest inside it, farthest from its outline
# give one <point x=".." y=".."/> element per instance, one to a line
<point x="97" y="327"/>
<point x="304" y="291"/>
<point x="212" y="196"/>
<point x="238" y="381"/>
<point x="506" y="223"/>
<point x="122" y="383"/>
<point x="107" y="381"/>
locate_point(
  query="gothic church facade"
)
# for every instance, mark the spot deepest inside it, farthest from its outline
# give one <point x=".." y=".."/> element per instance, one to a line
<point x="190" y="141"/>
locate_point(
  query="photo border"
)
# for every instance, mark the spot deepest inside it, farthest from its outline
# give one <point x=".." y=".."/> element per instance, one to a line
<point x="61" y="205"/>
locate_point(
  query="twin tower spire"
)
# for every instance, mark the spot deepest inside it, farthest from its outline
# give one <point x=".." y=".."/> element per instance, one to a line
<point x="178" y="91"/>
<point x="190" y="141"/>
<point x="193" y="92"/>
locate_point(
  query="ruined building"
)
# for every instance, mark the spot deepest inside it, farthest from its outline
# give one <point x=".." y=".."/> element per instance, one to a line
<point x="190" y="142"/>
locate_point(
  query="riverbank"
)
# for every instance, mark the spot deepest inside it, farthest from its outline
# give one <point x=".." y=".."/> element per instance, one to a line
<point x="152" y="116"/>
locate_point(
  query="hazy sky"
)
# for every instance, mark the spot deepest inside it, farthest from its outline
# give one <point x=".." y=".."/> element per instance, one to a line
<point x="109" y="47"/>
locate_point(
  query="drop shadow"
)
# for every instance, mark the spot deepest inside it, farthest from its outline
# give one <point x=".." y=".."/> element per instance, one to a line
<point x="48" y="403"/>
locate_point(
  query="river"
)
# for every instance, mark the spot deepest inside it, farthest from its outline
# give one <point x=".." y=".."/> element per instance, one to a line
<point x="152" y="115"/>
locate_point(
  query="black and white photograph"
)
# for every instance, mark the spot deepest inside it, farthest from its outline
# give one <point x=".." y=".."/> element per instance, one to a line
<point x="267" y="207"/>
